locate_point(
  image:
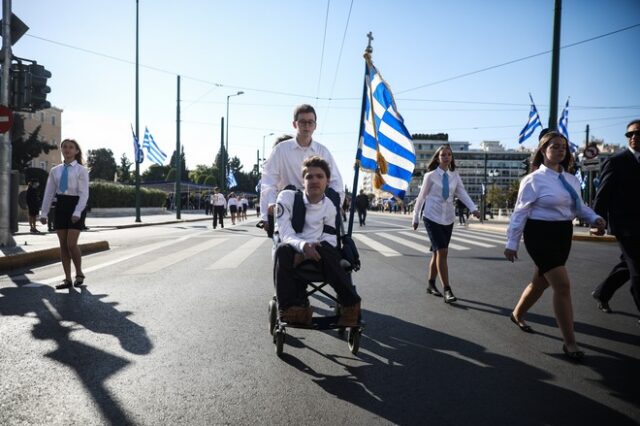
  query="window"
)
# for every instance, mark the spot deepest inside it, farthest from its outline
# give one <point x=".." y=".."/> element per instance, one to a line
<point x="53" y="120"/>
<point x="43" y="165"/>
<point x="42" y="117"/>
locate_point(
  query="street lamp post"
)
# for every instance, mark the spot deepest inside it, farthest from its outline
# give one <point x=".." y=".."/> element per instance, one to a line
<point x="226" y="147"/>
<point x="264" y="157"/>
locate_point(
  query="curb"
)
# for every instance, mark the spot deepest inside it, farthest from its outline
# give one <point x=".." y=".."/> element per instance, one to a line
<point x="138" y="225"/>
<point x="28" y="259"/>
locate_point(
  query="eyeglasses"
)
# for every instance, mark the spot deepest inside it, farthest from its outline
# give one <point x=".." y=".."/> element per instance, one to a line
<point x="307" y="122"/>
<point x="632" y="133"/>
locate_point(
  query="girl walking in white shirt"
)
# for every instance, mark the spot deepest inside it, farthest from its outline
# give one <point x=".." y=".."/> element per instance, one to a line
<point x="548" y="201"/>
<point x="69" y="184"/>
<point x="232" y="203"/>
<point x="435" y="204"/>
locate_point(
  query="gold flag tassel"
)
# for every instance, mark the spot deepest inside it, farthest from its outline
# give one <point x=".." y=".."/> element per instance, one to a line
<point x="378" y="181"/>
<point x="382" y="163"/>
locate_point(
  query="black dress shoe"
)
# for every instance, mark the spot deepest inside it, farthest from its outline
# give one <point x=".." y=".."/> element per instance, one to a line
<point x="434" y="291"/>
<point x="602" y="305"/>
<point x="575" y="356"/>
<point x="449" y="297"/>
<point x="523" y="327"/>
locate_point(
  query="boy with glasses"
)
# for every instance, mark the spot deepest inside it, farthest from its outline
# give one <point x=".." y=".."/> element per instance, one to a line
<point x="283" y="166"/>
<point x="618" y="202"/>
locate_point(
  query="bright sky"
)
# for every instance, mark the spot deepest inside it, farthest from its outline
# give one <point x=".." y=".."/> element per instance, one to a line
<point x="283" y="53"/>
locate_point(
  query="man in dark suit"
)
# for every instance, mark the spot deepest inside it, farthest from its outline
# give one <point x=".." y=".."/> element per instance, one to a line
<point x="618" y="201"/>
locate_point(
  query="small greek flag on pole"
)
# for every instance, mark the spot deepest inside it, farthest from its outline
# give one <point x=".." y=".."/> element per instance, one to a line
<point x="231" y="180"/>
<point x="532" y="123"/>
<point x="385" y="145"/>
<point x="138" y="155"/>
<point x="563" y="123"/>
<point x="154" y="153"/>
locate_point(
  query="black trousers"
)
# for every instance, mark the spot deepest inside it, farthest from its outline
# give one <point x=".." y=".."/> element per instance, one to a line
<point x="291" y="290"/>
<point x="627" y="269"/>
<point x="362" y="216"/>
<point x="218" y="212"/>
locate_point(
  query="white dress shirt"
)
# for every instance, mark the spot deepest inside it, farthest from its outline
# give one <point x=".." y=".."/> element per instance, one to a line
<point x="233" y="201"/>
<point x="284" y="167"/>
<point x="77" y="185"/>
<point x="543" y="197"/>
<point x="436" y="208"/>
<point x="317" y="216"/>
<point x="218" y="200"/>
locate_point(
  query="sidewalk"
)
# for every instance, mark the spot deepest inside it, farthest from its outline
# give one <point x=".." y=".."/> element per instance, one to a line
<point x="34" y="249"/>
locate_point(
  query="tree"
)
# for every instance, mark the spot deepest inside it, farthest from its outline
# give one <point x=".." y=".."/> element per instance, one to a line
<point x="24" y="150"/>
<point x="496" y="196"/>
<point x="155" y="173"/>
<point x="512" y="194"/>
<point x="101" y="164"/>
<point x="124" y="173"/>
<point x="183" y="165"/>
<point x="221" y="159"/>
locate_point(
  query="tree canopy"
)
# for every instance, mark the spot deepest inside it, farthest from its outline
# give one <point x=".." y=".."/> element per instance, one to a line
<point x="101" y="164"/>
<point x="24" y="150"/>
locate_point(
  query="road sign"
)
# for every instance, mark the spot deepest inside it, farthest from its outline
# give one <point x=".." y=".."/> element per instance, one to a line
<point x="6" y="118"/>
<point x="591" y="164"/>
<point x="591" y="152"/>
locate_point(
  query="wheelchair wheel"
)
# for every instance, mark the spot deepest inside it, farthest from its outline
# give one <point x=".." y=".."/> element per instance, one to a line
<point x="353" y="339"/>
<point x="273" y="314"/>
<point x="279" y="338"/>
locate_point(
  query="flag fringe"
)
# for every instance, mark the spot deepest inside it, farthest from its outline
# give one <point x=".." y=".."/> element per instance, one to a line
<point x="383" y="167"/>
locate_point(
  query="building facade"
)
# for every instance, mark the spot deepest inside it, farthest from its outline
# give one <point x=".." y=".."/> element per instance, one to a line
<point x="50" y="122"/>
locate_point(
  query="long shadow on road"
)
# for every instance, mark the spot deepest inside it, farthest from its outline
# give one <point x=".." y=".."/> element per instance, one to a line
<point x="414" y="375"/>
<point x="92" y="365"/>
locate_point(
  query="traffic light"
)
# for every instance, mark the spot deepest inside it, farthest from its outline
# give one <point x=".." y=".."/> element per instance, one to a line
<point x="524" y="167"/>
<point x="29" y="87"/>
<point x="38" y="76"/>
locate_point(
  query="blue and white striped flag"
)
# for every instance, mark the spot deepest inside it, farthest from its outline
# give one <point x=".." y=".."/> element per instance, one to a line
<point x="563" y="122"/>
<point x="154" y="153"/>
<point x="231" y="180"/>
<point x="385" y="145"/>
<point x="533" y="123"/>
<point x="138" y="155"/>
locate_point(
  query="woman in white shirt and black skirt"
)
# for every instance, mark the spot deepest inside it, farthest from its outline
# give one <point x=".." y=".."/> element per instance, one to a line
<point x="548" y="201"/>
<point x="69" y="184"/>
<point x="435" y="204"/>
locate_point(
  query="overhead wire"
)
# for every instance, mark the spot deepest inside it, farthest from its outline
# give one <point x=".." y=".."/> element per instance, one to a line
<point x="324" y="41"/>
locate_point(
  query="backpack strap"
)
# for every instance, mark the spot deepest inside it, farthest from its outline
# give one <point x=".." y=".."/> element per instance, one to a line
<point x="299" y="212"/>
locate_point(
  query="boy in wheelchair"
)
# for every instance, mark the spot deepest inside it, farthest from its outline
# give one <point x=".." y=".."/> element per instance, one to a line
<point x="313" y="241"/>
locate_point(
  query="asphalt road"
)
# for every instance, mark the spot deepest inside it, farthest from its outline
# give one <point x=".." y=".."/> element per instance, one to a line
<point x="172" y="329"/>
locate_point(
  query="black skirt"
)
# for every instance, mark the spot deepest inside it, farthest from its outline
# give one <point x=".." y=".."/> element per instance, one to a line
<point x="440" y="235"/>
<point x="65" y="206"/>
<point x="548" y="243"/>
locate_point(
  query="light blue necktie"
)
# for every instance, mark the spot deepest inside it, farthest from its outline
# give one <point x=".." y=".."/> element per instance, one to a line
<point x="64" y="179"/>
<point x="445" y="186"/>
<point x="571" y="192"/>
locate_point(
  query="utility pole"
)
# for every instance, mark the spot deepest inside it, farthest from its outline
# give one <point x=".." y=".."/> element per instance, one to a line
<point x="589" y="175"/>
<point x="178" y="194"/>
<point x="6" y="239"/>
<point x="222" y="154"/>
<point x="137" y="123"/>
<point x="555" y="67"/>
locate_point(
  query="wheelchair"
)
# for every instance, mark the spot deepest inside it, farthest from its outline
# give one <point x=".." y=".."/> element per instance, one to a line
<point x="310" y="274"/>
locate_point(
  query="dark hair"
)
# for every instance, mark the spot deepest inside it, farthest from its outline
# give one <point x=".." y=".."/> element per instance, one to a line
<point x="78" y="157"/>
<point x="304" y="108"/>
<point x="435" y="161"/>
<point x="282" y="138"/>
<point x="537" y="158"/>
<point x="315" y="161"/>
<point x="632" y="123"/>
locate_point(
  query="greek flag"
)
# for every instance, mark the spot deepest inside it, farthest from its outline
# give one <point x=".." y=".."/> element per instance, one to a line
<point x="385" y="146"/>
<point x="563" y="122"/>
<point x="532" y="123"/>
<point x="138" y="155"/>
<point x="231" y="180"/>
<point x="154" y="153"/>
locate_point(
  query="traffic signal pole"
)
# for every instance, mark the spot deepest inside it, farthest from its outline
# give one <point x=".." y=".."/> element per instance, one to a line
<point x="6" y="239"/>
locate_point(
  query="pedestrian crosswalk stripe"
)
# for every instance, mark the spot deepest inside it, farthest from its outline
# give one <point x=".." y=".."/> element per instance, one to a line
<point x="174" y="257"/>
<point x="239" y="255"/>
<point x="403" y="241"/>
<point x="379" y="247"/>
<point x="473" y="243"/>
<point x="421" y="237"/>
<point x="488" y="234"/>
<point x="466" y="234"/>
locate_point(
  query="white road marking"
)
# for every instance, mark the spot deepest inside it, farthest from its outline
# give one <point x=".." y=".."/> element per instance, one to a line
<point x="173" y="258"/>
<point x="379" y="247"/>
<point x="239" y="255"/>
<point x="404" y="242"/>
<point x="420" y="237"/>
<point x="473" y="243"/>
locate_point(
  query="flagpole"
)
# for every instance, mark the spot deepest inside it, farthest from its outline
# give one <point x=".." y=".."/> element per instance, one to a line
<point x="178" y="192"/>
<point x="137" y="124"/>
<point x="356" y="167"/>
